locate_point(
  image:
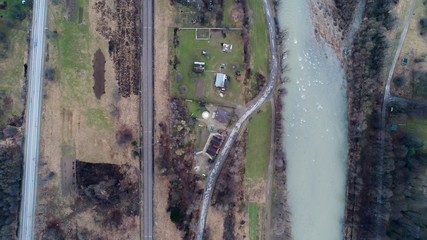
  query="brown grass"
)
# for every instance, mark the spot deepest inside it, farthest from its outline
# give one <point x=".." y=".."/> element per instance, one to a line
<point x="163" y="18"/>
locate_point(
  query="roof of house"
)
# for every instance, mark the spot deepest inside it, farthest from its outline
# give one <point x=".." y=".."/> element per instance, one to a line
<point x="220" y="80"/>
<point x="222" y="115"/>
<point x="211" y="151"/>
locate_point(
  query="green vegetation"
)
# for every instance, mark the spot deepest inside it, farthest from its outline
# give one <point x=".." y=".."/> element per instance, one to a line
<point x="12" y="14"/>
<point x="419" y="127"/>
<point x="190" y="50"/>
<point x="258" y="38"/>
<point x="74" y="58"/>
<point x="13" y="29"/>
<point x="227" y="21"/>
<point x="195" y="110"/>
<point x="259" y="140"/>
<point x="253" y="220"/>
<point x="98" y="118"/>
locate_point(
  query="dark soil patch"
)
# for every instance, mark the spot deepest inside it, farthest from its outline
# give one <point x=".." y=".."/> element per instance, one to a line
<point x="71" y="6"/>
<point x="3" y="5"/>
<point x="176" y="62"/>
<point x="200" y="88"/>
<point x="99" y="73"/>
<point x="68" y="175"/>
<point x="80" y="15"/>
<point x="123" y="136"/>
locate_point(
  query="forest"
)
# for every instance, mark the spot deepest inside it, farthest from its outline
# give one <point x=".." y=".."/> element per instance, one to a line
<point x="383" y="198"/>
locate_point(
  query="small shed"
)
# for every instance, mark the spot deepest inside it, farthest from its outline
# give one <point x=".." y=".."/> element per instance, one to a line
<point x="226" y="47"/>
<point x="222" y="115"/>
<point x="199" y="67"/>
<point x="404" y="61"/>
<point x="393" y="127"/>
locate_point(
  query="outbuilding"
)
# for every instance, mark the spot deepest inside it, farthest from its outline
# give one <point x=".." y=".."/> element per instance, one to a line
<point x="220" y="80"/>
<point x="199" y="67"/>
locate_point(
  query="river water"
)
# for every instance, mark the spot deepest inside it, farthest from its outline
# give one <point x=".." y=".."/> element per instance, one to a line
<point x="315" y="139"/>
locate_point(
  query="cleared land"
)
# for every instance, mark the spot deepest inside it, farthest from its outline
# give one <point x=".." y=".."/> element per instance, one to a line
<point x="90" y="136"/>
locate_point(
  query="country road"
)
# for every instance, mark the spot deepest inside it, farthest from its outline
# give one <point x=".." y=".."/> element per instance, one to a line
<point x="32" y="124"/>
<point x="266" y="93"/>
<point x="386" y="101"/>
<point x="147" y="115"/>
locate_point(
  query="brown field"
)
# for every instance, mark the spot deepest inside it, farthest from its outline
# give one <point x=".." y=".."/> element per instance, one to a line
<point x="89" y="172"/>
<point x="164" y="228"/>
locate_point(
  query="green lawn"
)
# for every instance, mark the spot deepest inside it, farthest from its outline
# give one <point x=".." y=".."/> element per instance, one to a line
<point x="189" y="50"/>
<point x="259" y="142"/>
<point x="258" y="38"/>
<point x="253" y="220"/>
<point x="419" y="127"/>
<point x="195" y="110"/>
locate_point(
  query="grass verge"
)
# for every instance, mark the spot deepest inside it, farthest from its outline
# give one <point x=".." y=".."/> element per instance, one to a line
<point x="259" y="141"/>
<point x="253" y="220"/>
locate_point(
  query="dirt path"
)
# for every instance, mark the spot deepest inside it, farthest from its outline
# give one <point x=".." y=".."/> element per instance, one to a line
<point x="163" y="18"/>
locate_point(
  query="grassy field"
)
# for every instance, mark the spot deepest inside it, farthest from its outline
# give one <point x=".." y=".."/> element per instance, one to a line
<point x="12" y="47"/>
<point x="228" y="20"/>
<point x="253" y="221"/>
<point x="419" y="127"/>
<point x="259" y="37"/>
<point x="73" y="44"/>
<point x="189" y="50"/>
<point x="258" y="147"/>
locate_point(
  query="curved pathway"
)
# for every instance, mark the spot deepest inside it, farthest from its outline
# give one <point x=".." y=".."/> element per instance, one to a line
<point x="268" y="90"/>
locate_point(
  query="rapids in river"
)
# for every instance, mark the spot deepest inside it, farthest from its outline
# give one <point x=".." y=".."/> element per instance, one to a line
<point x="315" y="120"/>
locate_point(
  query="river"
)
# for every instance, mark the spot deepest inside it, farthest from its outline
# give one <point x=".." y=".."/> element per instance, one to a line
<point x="315" y="140"/>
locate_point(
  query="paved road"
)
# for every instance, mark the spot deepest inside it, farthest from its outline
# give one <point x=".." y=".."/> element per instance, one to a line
<point x="32" y="124"/>
<point x="386" y="101"/>
<point x="213" y="175"/>
<point x="147" y="114"/>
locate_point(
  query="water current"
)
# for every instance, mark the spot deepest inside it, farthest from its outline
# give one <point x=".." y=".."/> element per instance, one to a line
<point x="315" y="138"/>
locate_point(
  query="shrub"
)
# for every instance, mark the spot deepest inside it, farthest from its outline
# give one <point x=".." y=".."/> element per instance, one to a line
<point x="49" y="74"/>
<point x="399" y="81"/>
